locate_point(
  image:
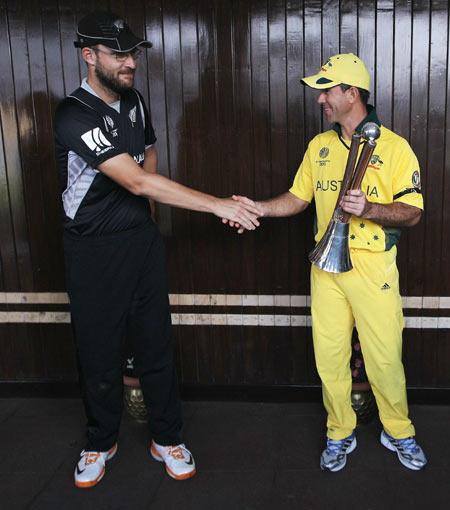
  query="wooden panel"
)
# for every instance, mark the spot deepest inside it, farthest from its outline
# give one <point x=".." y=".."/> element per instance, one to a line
<point x="222" y="82"/>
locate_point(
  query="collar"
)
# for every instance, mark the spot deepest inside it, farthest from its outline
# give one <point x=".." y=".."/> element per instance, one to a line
<point x="85" y="85"/>
<point x="370" y="117"/>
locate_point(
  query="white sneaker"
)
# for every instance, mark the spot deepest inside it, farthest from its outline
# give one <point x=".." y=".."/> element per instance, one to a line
<point x="91" y="467"/>
<point x="178" y="460"/>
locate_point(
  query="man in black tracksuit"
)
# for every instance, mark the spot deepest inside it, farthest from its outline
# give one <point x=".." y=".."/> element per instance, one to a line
<point x="115" y="261"/>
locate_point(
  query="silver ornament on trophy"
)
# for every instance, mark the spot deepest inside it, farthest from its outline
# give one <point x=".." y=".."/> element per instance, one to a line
<point x="331" y="253"/>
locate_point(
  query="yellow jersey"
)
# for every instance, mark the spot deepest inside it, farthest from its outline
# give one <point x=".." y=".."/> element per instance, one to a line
<point x="393" y="175"/>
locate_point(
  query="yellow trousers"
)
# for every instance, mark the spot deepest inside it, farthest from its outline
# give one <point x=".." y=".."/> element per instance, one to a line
<point x="367" y="296"/>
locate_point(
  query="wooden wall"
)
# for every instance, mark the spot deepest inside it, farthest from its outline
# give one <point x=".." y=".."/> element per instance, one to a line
<point x="222" y="83"/>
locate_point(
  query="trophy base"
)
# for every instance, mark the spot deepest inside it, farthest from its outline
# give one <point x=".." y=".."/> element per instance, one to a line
<point x="364" y="405"/>
<point x="134" y="399"/>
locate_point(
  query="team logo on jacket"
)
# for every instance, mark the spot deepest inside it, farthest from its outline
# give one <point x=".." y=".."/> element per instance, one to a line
<point x="96" y="141"/>
<point x="132" y="115"/>
<point x="375" y="162"/>
<point x="416" y="179"/>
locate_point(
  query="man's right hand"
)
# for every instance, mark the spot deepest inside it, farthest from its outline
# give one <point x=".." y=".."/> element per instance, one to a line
<point x="245" y="202"/>
<point x="242" y="214"/>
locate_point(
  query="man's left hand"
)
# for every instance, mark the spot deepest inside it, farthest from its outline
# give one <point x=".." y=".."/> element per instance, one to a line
<point x="355" y="202"/>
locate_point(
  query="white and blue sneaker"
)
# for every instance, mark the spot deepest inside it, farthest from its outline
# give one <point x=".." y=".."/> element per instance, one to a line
<point x="334" y="457"/>
<point x="409" y="453"/>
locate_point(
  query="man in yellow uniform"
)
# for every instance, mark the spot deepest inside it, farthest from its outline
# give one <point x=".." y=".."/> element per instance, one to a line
<point x="368" y="295"/>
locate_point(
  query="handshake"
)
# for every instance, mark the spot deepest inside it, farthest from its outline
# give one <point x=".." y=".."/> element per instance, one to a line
<point x="239" y="212"/>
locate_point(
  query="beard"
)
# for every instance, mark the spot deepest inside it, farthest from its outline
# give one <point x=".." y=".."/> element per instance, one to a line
<point x="111" y="82"/>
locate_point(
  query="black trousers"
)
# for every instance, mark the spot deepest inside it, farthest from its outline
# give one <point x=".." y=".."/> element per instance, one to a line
<point x="117" y="284"/>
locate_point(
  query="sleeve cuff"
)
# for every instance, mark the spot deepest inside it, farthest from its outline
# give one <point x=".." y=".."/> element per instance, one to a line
<point x="409" y="197"/>
<point x="107" y="155"/>
<point x="300" y="195"/>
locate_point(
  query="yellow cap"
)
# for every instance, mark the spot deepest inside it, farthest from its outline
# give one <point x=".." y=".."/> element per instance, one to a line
<point x="344" y="68"/>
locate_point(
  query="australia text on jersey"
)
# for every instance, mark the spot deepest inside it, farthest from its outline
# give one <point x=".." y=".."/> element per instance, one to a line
<point x="335" y="185"/>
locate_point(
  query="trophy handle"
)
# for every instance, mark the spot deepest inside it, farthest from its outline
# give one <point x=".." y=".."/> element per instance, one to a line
<point x="359" y="172"/>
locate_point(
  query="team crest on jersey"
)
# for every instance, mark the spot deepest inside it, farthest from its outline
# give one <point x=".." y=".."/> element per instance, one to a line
<point x="96" y="141"/>
<point x="109" y="125"/>
<point x="132" y="115"/>
<point x="324" y="151"/>
<point x="416" y="179"/>
<point x="375" y="162"/>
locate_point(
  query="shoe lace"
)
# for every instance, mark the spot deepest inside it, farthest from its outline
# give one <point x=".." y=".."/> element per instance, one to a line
<point x="409" y="444"/>
<point x="176" y="452"/>
<point x="335" y="446"/>
<point x="91" y="457"/>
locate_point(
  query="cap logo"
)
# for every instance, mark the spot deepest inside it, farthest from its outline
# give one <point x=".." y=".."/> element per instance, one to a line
<point x="327" y="64"/>
<point x="119" y="24"/>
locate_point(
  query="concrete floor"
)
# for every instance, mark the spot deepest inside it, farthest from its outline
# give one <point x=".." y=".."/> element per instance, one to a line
<point x="249" y="456"/>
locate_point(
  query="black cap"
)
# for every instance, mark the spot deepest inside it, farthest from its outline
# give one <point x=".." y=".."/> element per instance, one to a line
<point x="104" y="27"/>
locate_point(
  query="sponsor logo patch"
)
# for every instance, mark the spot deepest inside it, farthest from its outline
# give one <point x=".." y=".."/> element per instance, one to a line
<point x="96" y="141"/>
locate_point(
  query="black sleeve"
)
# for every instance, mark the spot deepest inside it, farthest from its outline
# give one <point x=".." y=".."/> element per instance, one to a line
<point x="150" y="137"/>
<point x="80" y="129"/>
